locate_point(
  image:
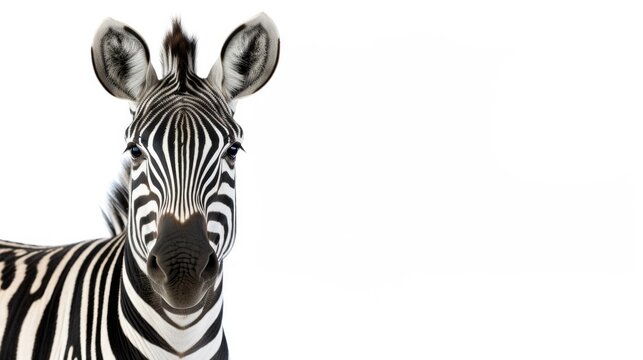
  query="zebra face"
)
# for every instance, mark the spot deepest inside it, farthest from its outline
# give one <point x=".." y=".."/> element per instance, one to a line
<point x="183" y="143"/>
<point x="182" y="216"/>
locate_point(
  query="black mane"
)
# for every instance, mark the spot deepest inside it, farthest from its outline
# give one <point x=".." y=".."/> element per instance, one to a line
<point x="179" y="51"/>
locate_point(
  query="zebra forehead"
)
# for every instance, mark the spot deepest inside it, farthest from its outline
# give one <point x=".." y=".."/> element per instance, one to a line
<point x="184" y="114"/>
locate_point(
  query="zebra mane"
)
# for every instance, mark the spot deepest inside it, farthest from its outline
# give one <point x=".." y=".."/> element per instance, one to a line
<point x="178" y="53"/>
<point x="117" y="203"/>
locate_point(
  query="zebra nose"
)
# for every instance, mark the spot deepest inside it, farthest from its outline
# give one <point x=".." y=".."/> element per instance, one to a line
<point x="160" y="269"/>
<point x="182" y="254"/>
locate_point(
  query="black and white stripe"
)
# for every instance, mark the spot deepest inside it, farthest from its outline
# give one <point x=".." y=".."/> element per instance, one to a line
<point x="153" y="290"/>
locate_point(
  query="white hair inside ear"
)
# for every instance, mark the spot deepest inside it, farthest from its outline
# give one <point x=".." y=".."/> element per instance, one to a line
<point x="233" y="105"/>
<point x="121" y="60"/>
<point x="248" y="58"/>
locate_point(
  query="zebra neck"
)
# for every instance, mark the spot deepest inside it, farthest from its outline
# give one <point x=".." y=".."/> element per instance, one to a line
<point x="159" y="332"/>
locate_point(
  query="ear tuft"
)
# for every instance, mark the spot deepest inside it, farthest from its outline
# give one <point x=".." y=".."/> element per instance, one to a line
<point x="248" y="58"/>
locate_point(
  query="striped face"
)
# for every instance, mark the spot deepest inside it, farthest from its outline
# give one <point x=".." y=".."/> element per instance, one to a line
<point x="182" y="142"/>
<point x="182" y="215"/>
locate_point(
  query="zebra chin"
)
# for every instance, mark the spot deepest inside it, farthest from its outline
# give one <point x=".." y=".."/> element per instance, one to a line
<point x="182" y="266"/>
<point x="183" y="297"/>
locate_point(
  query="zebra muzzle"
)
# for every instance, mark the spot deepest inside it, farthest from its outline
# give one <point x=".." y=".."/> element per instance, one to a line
<point x="182" y="266"/>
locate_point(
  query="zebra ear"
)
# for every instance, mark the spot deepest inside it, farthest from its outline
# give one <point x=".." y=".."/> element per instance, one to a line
<point x="121" y="60"/>
<point x="248" y="58"/>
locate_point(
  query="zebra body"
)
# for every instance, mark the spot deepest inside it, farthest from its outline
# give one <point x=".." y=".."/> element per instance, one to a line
<point x="85" y="307"/>
<point x="59" y="299"/>
<point x="153" y="290"/>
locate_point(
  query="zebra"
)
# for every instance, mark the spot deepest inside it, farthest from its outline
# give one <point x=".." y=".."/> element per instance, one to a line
<point x="154" y="289"/>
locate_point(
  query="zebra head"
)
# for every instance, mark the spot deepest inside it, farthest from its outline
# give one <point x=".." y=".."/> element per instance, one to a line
<point x="182" y="143"/>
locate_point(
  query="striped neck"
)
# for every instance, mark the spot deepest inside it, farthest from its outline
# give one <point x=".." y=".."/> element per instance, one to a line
<point x="159" y="332"/>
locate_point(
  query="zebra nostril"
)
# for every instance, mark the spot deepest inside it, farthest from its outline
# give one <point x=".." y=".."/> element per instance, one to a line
<point x="154" y="270"/>
<point x="211" y="268"/>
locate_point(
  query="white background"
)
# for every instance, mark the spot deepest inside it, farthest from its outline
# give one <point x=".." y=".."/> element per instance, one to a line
<point x="454" y="180"/>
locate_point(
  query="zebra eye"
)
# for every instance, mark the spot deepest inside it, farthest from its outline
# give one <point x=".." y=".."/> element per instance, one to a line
<point x="233" y="150"/>
<point x="135" y="151"/>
